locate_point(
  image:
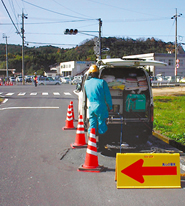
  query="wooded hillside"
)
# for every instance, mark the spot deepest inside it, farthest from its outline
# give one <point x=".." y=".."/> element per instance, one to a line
<point x="40" y="58"/>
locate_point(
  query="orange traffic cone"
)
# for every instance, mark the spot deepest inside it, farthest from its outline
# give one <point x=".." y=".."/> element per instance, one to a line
<point x="69" y="120"/>
<point x="91" y="160"/>
<point x="80" y="135"/>
<point x="71" y="104"/>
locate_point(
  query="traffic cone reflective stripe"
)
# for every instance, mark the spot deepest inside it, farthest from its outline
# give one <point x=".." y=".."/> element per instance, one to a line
<point x="80" y="135"/>
<point x="69" y="120"/>
<point x="91" y="159"/>
<point x="71" y="104"/>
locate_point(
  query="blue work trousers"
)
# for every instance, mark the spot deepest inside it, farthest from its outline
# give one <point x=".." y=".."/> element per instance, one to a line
<point x="98" y="114"/>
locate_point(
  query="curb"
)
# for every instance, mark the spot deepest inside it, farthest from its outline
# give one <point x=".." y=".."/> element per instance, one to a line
<point x="169" y="141"/>
<point x="172" y="143"/>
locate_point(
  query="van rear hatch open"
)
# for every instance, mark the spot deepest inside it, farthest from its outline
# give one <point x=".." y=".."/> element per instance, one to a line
<point x="130" y="92"/>
<point x="129" y="85"/>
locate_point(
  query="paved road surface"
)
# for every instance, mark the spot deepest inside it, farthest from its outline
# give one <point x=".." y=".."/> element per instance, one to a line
<point x="39" y="168"/>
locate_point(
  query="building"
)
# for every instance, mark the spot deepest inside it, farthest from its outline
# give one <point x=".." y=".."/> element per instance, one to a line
<point x="3" y="72"/>
<point x="73" y="68"/>
<point x="169" y="70"/>
<point x="51" y="73"/>
<point x="55" y="67"/>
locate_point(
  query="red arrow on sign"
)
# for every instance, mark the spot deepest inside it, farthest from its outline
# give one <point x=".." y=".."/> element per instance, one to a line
<point x="136" y="170"/>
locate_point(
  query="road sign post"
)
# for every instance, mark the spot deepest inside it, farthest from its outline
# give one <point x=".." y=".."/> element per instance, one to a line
<point x="148" y="170"/>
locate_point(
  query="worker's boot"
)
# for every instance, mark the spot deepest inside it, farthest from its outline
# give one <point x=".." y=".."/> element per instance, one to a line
<point x="101" y="142"/>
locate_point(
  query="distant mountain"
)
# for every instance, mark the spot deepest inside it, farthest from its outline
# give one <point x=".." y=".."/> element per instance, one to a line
<point x="40" y="58"/>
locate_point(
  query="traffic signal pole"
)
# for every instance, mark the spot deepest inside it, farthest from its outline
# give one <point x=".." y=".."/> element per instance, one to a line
<point x="98" y="47"/>
<point x="100" y="25"/>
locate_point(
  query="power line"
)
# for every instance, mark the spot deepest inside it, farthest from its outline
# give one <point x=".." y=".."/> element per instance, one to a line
<point x="29" y="42"/>
<point x="13" y="10"/>
<point x="10" y="18"/>
<point x="51" y="10"/>
<point x="68" y="8"/>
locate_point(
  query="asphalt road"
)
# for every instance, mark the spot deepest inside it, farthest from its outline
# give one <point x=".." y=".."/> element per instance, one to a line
<point x="38" y="167"/>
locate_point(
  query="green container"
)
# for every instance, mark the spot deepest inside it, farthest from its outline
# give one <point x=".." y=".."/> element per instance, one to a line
<point x="136" y="103"/>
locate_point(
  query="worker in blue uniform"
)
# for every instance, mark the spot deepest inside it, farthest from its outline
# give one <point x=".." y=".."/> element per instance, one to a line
<point x="100" y="103"/>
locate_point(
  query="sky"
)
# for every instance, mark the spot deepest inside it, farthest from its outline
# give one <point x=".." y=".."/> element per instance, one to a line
<point x="48" y="19"/>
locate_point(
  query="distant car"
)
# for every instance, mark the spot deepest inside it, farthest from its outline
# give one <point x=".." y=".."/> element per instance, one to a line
<point x="12" y="79"/>
<point x="159" y="80"/>
<point x="76" y="79"/>
<point x="48" y="81"/>
<point x="65" y="80"/>
<point x="182" y="80"/>
<point x="28" y="79"/>
<point x="19" y="79"/>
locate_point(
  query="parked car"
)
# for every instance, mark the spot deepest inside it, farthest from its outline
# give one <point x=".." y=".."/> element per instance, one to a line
<point x="12" y="79"/>
<point x="159" y="80"/>
<point x="76" y="79"/>
<point x="182" y="80"/>
<point x="65" y="80"/>
<point x="48" y="81"/>
<point x="19" y="79"/>
<point x="132" y="118"/>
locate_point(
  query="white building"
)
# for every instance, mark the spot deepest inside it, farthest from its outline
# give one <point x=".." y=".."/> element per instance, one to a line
<point x="169" y="70"/>
<point x="74" y="68"/>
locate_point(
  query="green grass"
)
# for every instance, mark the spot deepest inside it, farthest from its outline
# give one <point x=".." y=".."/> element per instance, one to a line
<point x="169" y="117"/>
<point x="1" y="100"/>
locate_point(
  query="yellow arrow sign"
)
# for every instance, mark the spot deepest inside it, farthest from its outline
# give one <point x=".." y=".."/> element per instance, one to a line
<point x="146" y="170"/>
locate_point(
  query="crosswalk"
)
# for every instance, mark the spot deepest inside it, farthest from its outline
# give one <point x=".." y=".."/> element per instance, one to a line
<point x="34" y="94"/>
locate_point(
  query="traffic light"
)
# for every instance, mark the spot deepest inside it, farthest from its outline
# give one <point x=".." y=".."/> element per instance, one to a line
<point x="71" y="31"/>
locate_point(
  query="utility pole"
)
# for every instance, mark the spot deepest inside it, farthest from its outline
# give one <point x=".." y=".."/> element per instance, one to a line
<point x="100" y="25"/>
<point x="176" y="49"/>
<point x="4" y="36"/>
<point x="22" y="31"/>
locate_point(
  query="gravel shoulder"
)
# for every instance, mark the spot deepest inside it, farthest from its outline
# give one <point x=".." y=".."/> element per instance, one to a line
<point x="167" y="91"/>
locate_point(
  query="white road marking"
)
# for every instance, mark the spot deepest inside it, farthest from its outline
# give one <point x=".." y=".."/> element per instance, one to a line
<point x="67" y="93"/>
<point x="56" y="93"/>
<point x="5" y="100"/>
<point x="33" y="93"/>
<point x="44" y="93"/>
<point x="21" y="93"/>
<point x="9" y="94"/>
<point x="9" y="108"/>
<point x="182" y="166"/>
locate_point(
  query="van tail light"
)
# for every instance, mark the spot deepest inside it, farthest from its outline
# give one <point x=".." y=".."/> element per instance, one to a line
<point x="152" y="113"/>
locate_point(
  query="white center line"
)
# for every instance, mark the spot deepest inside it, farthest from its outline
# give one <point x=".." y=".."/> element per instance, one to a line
<point x="44" y="93"/>
<point x="67" y="93"/>
<point x="21" y="93"/>
<point x="33" y="93"/>
<point x="56" y="93"/>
